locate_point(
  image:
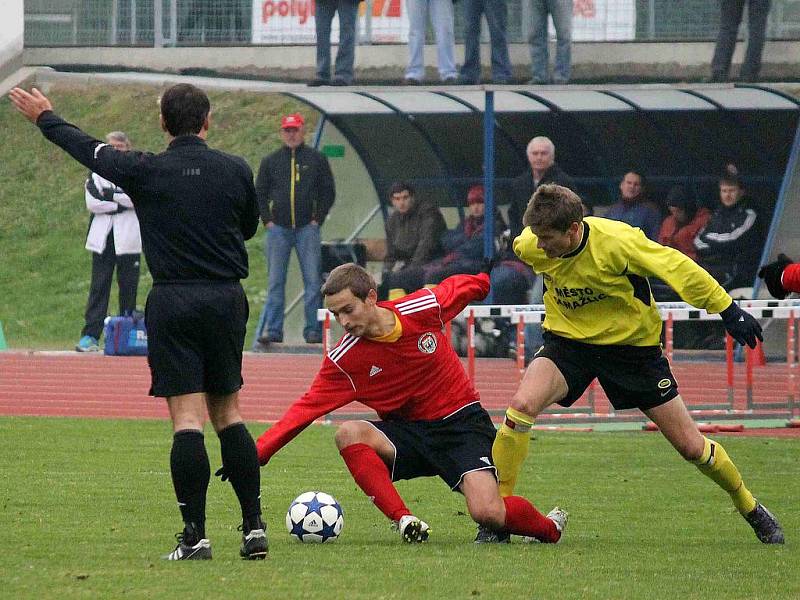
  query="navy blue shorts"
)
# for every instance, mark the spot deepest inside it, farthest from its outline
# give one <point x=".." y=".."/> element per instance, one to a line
<point x="631" y="376"/>
<point x="195" y="335"/>
<point x="449" y="447"/>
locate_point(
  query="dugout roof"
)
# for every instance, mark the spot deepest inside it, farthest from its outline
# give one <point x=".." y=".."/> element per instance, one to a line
<point x="434" y="137"/>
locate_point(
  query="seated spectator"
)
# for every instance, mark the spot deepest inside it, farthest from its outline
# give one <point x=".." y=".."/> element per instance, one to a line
<point x="685" y="220"/>
<point x="413" y="234"/>
<point x="634" y="208"/>
<point x="542" y="168"/>
<point x="729" y="246"/>
<point x="464" y="244"/>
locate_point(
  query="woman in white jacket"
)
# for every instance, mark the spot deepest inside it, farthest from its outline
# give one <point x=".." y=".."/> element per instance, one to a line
<point x="114" y="240"/>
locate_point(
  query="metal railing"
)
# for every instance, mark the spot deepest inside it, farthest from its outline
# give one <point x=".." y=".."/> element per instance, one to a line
<point x="244" y="22"/>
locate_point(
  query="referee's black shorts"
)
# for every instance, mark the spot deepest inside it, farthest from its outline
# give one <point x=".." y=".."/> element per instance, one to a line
<point x="631" y="376"/>
<point x="195" y="335"/>
<point x="450" y="447"/>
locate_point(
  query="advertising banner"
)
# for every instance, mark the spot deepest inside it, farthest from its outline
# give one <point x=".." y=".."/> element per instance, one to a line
<point x="602" y="20"/>
<point x="292" y="22"/>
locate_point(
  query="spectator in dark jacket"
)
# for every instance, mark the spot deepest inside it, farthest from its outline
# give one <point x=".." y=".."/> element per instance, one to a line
<point x="413" y="234"/>
<point x="634" y="208"/>
<point x="511" y="278"/>
<point x="729" y="246"/>
<point x="295" y="191"/>
<point x="463" y="245"/>
<point x="543" y="169"/>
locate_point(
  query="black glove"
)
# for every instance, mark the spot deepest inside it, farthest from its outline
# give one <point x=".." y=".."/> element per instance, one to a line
<point x="222" y="474"/>
<point x="501" y="245"/>
<point x="108" y="194"/>
<point x="742" y="326"/>
<point x="772" y="273"/>
<point x="490" y="263"/>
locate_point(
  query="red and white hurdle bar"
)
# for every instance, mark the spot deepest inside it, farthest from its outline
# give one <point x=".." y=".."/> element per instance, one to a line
<point x="670" y="312"/>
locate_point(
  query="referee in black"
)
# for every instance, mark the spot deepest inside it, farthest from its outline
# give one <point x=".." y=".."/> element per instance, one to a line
<point x="196" y="207"/>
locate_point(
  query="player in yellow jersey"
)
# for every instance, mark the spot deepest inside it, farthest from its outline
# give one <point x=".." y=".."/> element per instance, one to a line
<point x="602" y="323"/>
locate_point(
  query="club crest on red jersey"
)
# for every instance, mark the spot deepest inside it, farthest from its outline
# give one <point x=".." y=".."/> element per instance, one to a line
<point x="427" y="343"/>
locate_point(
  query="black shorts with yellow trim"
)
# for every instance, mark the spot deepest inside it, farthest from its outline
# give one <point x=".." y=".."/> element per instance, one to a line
<point x="450" y="447"/>
<point x="631" y="376"/>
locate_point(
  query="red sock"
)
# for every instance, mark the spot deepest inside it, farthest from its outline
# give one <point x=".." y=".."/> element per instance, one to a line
<point x="522" y="518"/>
<point x="373" y="477"/>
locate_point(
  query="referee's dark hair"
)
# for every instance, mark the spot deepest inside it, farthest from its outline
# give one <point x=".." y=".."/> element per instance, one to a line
<point x="553" y="207"/>
<point x="184" y="109"/>
<point x="349" y="276"/>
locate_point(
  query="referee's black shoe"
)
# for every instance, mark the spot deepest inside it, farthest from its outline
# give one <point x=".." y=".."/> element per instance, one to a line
<point x="490" y="536"/>
<point x="766" y="526"/>
<point x="255" y="545"/>
<point x="190" y="546"/>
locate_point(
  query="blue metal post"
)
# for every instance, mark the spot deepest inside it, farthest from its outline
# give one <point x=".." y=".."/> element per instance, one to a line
<point x="488" y="175"/>
<point x="783" y="197"/>
<point x="318" y="131"/>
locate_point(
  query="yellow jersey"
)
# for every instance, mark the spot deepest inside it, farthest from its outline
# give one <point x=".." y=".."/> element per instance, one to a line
<point x="599" y="294"/>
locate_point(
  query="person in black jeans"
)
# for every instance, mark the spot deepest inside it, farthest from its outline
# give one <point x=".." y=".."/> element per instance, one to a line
<point x="729" y="20"/>
<point x="196" y="208"/>
<point x="114" y="241"/>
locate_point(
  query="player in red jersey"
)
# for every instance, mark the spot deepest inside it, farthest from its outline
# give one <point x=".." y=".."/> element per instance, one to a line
<point x="396" y="359"/>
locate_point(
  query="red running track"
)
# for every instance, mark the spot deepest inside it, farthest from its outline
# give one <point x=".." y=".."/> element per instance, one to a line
<point x="93" y="385"/>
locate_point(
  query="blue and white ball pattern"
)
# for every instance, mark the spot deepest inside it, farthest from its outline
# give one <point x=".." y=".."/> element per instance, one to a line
<point x="315" y="517"/>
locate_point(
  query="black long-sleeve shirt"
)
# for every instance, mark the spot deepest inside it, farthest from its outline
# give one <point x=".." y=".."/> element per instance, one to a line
<point x="731" y="237"/>
<point x="295" y="187"/>
<point x="196" y="206"/>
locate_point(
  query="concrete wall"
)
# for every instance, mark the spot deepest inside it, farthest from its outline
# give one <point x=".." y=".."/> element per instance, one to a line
<point x="592" y="61"/>
<point x="12" y="28"/>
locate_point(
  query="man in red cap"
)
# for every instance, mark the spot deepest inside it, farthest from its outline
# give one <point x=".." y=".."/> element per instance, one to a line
<point x="295" y="191"/>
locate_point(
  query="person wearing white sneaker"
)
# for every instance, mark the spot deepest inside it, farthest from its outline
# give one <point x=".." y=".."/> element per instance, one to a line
<point x="603" y="323"/>
<point x="396" y="359"/>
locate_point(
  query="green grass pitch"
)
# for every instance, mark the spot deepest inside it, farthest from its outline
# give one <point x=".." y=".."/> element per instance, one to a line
<point x="88" y="509"/>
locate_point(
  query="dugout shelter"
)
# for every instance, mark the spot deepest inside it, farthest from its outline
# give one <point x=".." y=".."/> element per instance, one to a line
<point x="441" y="139"/>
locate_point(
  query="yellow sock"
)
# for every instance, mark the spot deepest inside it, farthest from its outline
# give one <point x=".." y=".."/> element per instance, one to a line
<point x="717" y="465"/>
<point x="510" y="448"/>
<point x="396" y="293"/>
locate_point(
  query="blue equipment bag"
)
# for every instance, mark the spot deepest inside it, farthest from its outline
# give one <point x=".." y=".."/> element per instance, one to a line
<point x="125" y="336"/>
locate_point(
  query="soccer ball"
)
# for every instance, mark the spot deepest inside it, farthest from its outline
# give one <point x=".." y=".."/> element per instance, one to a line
<point x="315" y="517"/>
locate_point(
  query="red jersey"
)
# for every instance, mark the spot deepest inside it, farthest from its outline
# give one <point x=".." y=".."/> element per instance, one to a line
<point x="417" y="377"/>
<point x="682" y="237"/>
<point x="791" y="278"/>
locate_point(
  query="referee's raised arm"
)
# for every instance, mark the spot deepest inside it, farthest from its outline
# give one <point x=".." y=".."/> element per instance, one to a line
<point x="111" y="163"/>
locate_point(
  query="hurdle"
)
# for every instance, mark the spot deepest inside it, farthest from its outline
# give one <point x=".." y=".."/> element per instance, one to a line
<point x="670" y="312"/>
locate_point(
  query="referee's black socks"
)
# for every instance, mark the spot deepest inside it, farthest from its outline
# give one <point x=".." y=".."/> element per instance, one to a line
<point x="190" y="475"/>
<point x="240" y="461"/>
